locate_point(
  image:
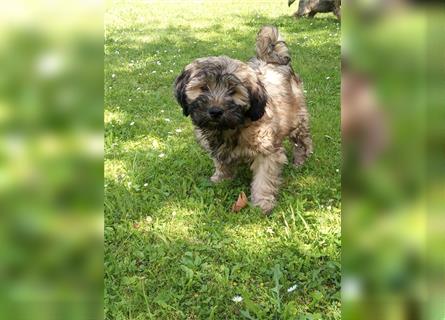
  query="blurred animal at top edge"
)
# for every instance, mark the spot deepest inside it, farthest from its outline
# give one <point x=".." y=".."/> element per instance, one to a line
<point x="309" y="8"/>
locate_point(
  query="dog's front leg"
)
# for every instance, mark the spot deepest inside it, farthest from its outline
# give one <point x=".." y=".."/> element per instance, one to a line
<point x="266" y="179"/>
<point x="223" y="171"/>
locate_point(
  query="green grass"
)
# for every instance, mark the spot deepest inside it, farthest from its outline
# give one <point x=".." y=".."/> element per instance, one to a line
<point x="173" y="249"/>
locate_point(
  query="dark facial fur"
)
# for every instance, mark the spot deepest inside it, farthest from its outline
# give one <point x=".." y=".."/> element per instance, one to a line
<point x="204" y="112"/>
<point x="222" y="103"/>
<point x="218" y="93"/>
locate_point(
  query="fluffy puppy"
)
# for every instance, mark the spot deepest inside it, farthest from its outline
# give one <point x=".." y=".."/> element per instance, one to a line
<point x="244" y="111"/>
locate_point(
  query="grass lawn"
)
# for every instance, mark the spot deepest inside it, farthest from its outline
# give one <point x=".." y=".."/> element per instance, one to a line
<point x="173" y="249"/>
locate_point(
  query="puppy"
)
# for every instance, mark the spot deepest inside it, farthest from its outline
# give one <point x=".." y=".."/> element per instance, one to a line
<point x="244" y="111"/>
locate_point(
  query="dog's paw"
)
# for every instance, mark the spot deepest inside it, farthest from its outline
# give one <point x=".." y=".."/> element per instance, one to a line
<point x="218" y="177"/>
<point x="266" y="205"/>
<point x="300" y="155"/>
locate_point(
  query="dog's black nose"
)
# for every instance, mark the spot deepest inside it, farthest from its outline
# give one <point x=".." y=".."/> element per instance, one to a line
<point x="215" y="112"/>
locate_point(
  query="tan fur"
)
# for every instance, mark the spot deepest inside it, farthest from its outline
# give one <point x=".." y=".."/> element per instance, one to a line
<point x="270" y="46"/>
<point x="260" y="142"/>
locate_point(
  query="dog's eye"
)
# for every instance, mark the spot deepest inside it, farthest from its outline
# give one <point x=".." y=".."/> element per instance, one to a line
<point x="200" y="102"/>
<point x="205" y="88"/>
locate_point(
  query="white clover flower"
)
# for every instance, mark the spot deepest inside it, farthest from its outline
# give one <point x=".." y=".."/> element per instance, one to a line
<point x="154" y="71"/>
<point x="336" y="170"/>
<point x="178" y="130"/>
<point x="292" y="288"/>
<point x="145" y="184"/>
<point x="138" y="88"/>
<point x="113" y="75"/>
<point x="132" y="123"/>
<point x="167" y="119"/>
<point x="237" y="299"/>
<point x="158" y="63"/>
<point x="171" y="71"/>
<point x="327" y="78"/>
<point x="161" y="155"/>
<point x="129" y="99"/>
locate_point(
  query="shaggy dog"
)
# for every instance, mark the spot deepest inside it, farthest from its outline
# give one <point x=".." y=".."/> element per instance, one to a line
<point x="244" y="111"/>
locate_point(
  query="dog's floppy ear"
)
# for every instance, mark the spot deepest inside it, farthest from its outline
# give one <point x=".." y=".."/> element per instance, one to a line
<point x="257" y="99"/>
<point x="179" y="90"/>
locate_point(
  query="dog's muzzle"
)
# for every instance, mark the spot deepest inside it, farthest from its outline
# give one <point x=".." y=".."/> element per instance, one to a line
<point x="215" y="112"/>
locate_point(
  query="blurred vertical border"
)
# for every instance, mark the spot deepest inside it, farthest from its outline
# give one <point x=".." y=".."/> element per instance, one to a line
<point x="393" y="113"/>
<point x="51" y="159"/>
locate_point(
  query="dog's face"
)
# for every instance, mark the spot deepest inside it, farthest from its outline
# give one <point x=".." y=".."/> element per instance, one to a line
<point x="220" y="93"/>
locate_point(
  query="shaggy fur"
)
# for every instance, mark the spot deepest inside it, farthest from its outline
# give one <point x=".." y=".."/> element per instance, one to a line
<point x="244" y="111"/>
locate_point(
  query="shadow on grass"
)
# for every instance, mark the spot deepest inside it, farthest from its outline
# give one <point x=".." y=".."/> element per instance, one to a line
<point x="228" y="246"/>
<point x="181" y="42"/>
<point x="195" y="213"/>
<point x="237" y="44"/>
<point x="210" y="271"/>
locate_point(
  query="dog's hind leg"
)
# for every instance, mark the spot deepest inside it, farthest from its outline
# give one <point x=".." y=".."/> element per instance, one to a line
<point x="301" y="138"/>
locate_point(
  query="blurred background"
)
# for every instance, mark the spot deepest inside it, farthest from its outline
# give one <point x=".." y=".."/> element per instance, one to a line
<point x="51" y="171"/>
<point x="51" y="154"/>
<point x="393" y="191"/>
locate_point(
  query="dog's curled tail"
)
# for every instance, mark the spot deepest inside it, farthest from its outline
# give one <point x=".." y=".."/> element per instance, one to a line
<point x="270" y="46"/>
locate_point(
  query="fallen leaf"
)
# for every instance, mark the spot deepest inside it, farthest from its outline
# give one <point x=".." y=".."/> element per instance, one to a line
<point x="240" y="203"/>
